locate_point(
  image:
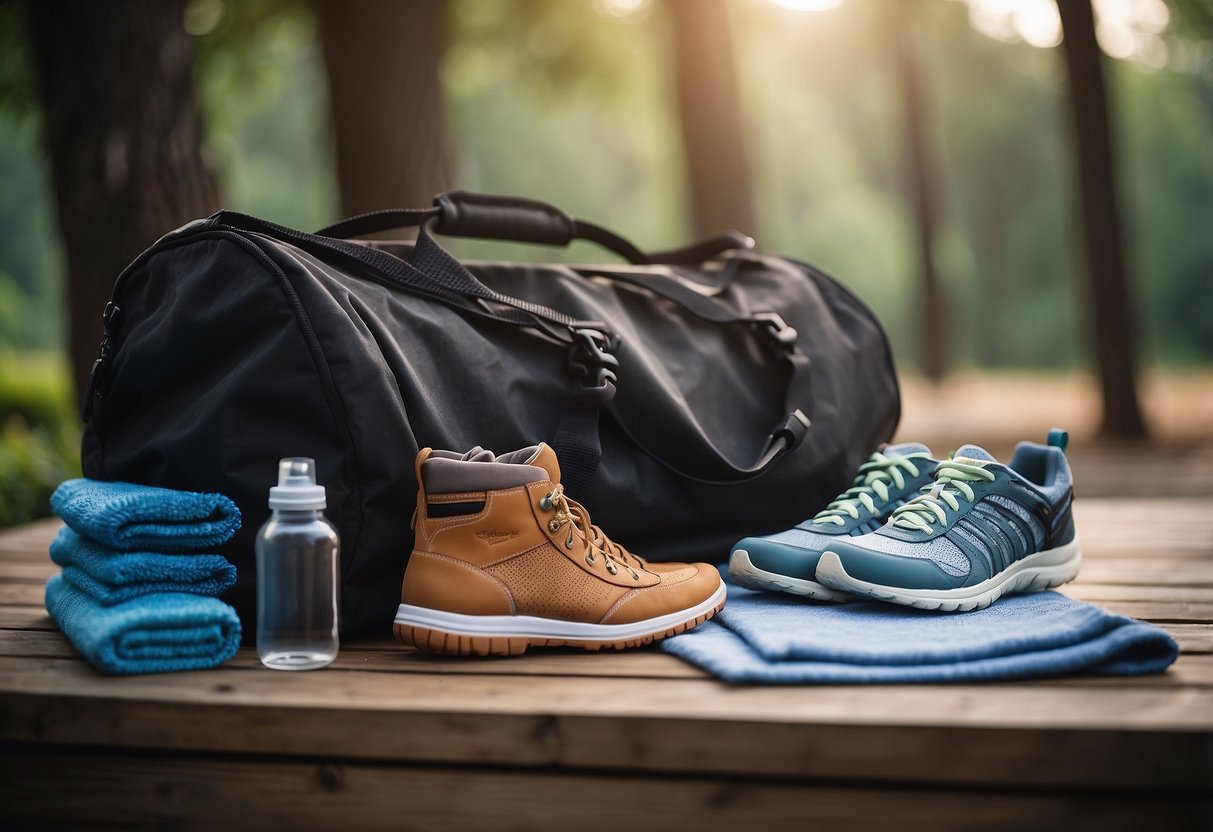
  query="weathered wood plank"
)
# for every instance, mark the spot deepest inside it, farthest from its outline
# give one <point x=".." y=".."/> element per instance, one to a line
<point x="1179" y="527"/>
<point x="29" y="542"/>
<point x="647" y="664"/>
<point x="1193" y="604"/>
<point x="26" y="618"/>
<point x="1194" y="640"/>
<point x="1152" y="571"/>
<point x="20" y="572"/>
<point x="21" y="595"/>
<point x="956" y="752"/>
<point x="54" y="790"/>
<point x="1115" y="592"/>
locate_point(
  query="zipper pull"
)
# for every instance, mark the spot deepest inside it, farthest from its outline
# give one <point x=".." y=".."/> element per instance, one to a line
<point x="109" y="327"/>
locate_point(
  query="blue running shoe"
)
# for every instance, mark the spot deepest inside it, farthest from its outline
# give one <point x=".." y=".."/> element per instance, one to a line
<point x="787" y="561"/>
<point x="981" y="530"/>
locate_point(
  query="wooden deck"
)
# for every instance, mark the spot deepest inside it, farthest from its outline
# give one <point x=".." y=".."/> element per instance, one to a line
<point x="391" y="739"/>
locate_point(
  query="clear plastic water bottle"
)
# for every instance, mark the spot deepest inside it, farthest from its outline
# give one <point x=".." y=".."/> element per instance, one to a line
<point x="297" y="551"/>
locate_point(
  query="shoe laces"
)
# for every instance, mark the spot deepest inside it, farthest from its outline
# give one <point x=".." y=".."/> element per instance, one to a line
<point x="952" y="480"/>
<point x="574" y="515"/>
<point x="873" y="478"/>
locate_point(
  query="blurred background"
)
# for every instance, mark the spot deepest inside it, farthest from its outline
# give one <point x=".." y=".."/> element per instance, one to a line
<point x="1021" y="189"/>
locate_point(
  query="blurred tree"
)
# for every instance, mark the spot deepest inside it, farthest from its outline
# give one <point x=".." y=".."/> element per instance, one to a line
<point x="710" y="116"/>
<point x="1110" y="313"/>
<point x="383" y="59"/>
<point x="933" y="340"/>
<point x="123" y="134"/>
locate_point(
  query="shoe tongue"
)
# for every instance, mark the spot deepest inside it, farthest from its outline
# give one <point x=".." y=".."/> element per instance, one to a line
<point x="906" y="448"/>
<point x="973" y="454"/>
<point x="545" y="458"/>
<point x="478" y="454"/>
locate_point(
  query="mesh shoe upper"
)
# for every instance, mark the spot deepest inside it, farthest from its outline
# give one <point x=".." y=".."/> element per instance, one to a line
<point x="978" y="518"/>
<point x="887" y="480"/>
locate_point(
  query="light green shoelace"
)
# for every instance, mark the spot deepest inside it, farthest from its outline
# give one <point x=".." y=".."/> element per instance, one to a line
<point x="951" y="478"/>
<point x="874" y="478"/>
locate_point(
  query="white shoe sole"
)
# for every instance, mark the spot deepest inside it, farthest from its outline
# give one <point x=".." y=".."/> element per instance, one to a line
<point x="437" y="631"/>
<point x="1043" y="570"/>
<point x="743" y="572"/>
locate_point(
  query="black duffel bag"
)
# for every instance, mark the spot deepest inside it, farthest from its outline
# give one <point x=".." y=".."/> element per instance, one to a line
<point x="694" y="396"/>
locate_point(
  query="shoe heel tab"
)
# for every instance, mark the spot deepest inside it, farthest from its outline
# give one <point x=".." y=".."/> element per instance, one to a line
<point x="1058" y="438"/>
<point x="422" y="456"/>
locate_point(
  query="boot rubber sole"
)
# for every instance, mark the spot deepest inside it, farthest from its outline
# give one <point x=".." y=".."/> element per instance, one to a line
<point x="455" y="634"/>
<point x="1043" y="570"/>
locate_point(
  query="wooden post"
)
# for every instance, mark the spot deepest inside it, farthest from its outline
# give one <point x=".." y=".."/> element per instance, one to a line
<point x="383" y="59"/>
<point x="1110" y="314"/>
<point x="933" y="340"/>
<point x="123" y="132"/>
<point x="709" y="110"/>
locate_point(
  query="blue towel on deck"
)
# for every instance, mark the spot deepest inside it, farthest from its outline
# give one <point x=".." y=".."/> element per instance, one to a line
<point x="132" y="517"/>
<point x="112" y="577"/>
<point x="153" y="634"/>
<point x="774" y="638"/>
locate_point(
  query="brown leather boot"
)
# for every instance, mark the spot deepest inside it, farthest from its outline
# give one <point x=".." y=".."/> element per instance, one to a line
<point x="505" y="561"/>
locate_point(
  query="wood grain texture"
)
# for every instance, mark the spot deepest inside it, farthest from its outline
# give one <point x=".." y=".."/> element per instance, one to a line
<point x="48" y="790"/>
<point x="1069" y="731"/>
<point x="444" y="743"/>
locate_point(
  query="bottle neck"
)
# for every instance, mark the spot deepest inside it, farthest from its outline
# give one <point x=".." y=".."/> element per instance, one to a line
<point x="295" y="515"/>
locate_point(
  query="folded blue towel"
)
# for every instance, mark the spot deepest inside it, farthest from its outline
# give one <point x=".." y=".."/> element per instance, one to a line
<point x="770" y="638"/>
<point x="132" y="517"/>
<point x="112" y="577"/>
<point x="153" y="634"/>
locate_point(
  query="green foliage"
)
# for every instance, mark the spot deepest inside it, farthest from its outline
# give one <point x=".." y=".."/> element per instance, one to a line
<point x="261" y="80"/>
<point x="559" y="101"/>
<point x="39" y="435"/>
<point x="18" y="99"/>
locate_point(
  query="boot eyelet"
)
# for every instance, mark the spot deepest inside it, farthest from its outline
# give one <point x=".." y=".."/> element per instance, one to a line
<point x="612" y="568"/>
<point x="635" y="575"/>
<point x="568" y="541"/>
<point x="553" y="526"/>
<point x="590" y="559"/>
<point x="546" y="502"/>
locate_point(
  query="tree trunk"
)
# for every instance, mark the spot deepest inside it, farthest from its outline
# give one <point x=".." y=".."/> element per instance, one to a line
<point x="932" y="354"/>
<point x="383" y="59"/>
<point x="1110" y="314"/>
<point x="709" y="111"/>
<point x="123" y="132"/>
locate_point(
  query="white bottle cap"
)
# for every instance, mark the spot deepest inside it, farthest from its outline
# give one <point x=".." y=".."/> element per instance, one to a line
<point x="296" y="489"/>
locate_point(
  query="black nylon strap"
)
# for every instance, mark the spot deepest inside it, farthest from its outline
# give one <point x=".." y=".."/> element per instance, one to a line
<point x="576" y="439"/>
<point x="376" y="221"/>
<point x="435" y="272"/>
<point x="433" y="280"/>
<point x="577" y="430"/>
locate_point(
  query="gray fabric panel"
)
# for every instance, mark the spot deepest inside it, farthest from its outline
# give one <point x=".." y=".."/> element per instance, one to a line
<point x="447" y="476"/>
<point x="942" y="551"/>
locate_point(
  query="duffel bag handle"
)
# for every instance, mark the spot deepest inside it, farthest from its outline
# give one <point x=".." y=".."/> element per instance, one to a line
<point x="520" y="220"/>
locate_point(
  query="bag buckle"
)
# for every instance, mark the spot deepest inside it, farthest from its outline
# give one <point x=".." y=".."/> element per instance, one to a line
<point x="773" y="325"/>
<point x="591" y="354"/>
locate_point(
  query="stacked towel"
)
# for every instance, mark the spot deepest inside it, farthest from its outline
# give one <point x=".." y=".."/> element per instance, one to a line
<point x="131" y="517"/>
<point x="156" y="633"/>
<point x="111" y="576"/>
<point x="126" y="598"/>
<point x="773" y="638"/>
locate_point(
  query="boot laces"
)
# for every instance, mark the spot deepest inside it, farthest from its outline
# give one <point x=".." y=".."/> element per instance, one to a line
<point x="574" y="515"/>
